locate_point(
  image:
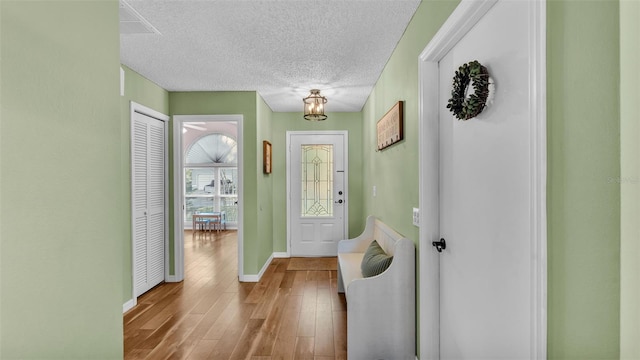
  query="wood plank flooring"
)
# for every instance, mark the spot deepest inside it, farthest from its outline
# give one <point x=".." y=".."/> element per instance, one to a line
<point x="210" y="315"/>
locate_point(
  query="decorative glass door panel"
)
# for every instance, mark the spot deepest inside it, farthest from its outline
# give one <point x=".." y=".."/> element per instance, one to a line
<point x="317" y="185"/>
<point x="317" y="180"/>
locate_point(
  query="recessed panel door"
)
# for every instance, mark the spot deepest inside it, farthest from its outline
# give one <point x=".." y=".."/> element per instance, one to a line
<point x="318" y="193"/>
<point x="486" y="197"/>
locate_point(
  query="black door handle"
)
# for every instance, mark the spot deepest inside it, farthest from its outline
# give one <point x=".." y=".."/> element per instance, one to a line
<point x="440" y="245"/>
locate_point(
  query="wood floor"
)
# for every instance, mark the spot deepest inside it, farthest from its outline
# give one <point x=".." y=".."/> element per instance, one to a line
<point x="210" y="315"/>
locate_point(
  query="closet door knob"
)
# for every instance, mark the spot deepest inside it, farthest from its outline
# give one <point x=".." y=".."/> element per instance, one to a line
<point x="440" y="245"/>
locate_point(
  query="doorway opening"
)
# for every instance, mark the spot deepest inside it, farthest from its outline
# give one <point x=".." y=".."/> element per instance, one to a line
<point x="210" y="171"/>
<point x="208" y="179"/>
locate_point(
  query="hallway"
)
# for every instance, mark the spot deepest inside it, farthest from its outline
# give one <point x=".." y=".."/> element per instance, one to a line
<point x="210" y="315"/>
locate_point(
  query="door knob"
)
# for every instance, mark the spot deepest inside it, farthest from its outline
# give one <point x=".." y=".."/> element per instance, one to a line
<point x="338" y="202"/>
<point x="440" y="245"/>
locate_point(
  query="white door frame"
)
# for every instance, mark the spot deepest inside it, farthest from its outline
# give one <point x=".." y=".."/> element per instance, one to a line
<point x="345" y="134"/>
<point x="141" y="109"/>
<point x="464" y="17"/>
<point x="178" y="195"/>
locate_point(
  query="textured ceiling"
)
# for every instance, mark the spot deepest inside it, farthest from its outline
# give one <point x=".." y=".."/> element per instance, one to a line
<point x="279" y="48"/>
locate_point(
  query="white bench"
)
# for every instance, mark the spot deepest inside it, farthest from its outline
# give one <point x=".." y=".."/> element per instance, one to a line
<point x="380" y="309"/>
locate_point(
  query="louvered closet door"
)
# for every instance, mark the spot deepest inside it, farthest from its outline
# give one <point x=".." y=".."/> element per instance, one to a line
<point x="148" y="147"/>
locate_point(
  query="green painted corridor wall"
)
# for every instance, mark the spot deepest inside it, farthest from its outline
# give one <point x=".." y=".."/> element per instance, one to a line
<point x="583" y="146"/>
<point x="61" y="221"/>
<point x="630" y="180"/>
<point x="394" y="170"/>
<point x="265" y="186"/>
<point x="293" y="121"/>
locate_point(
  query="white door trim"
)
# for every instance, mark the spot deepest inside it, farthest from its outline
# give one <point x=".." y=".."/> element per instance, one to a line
<point x="134" y="107"/>
<point x="345" y="134"/>
<point x="178" y="181"/>
<point x="464" y="17"/>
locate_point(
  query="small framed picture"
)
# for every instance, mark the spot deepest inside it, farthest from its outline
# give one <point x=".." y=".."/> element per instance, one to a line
<point x="266" y="157"/>
<point x="389" y="128"/>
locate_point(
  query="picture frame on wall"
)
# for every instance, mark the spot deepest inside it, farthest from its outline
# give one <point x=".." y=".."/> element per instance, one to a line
<point x="266" y="157"/>
<point x="389" y="129"/>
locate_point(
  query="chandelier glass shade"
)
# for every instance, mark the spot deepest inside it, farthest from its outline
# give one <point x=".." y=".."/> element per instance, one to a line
<point x="314" y="106"/>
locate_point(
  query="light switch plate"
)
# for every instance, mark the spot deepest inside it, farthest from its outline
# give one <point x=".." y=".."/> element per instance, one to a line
<point x="416" y="217"/>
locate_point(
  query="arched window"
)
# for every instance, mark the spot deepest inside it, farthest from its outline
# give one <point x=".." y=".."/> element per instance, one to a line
<point x="213" y="148"/>
<point x="211" y="177"/>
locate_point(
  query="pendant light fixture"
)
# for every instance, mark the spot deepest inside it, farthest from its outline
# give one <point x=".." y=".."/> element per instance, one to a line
<point x="314" y="106"/>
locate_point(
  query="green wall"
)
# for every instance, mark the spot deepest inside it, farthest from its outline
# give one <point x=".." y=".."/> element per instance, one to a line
<point x="630" y="180"/>
<point x="61" y="222"/>
<point x="265" y="185"/>
<point x="144" y="92"/>
<point x="583" y="191"/>
<point x="293" y="121"/>
<point x="246" y="104"/>
<point x="394" y="170"/>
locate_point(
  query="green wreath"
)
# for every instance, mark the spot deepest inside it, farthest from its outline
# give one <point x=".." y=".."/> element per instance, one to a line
<point x="463" y="107"/>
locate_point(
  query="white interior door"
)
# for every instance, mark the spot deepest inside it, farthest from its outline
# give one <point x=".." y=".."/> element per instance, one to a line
<point x="486" y="197"/>
<point x="317" y="183"/>
<point x="148" y="198"/>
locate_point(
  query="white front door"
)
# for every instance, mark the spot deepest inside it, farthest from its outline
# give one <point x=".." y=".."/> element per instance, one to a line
<point x="489" y="191"/>
<point x="317" y="187"/>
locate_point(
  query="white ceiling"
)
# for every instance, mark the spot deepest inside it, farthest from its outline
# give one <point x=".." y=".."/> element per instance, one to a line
<point x="279" y="48"/>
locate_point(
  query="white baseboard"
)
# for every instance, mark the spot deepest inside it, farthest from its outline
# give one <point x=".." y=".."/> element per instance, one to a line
<point x="280" y="255"/>
<point x="129" y="305"/>
<point x="172" y="279"/>
<point x="256" y="278"/>
<point x="249" y="278"/>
